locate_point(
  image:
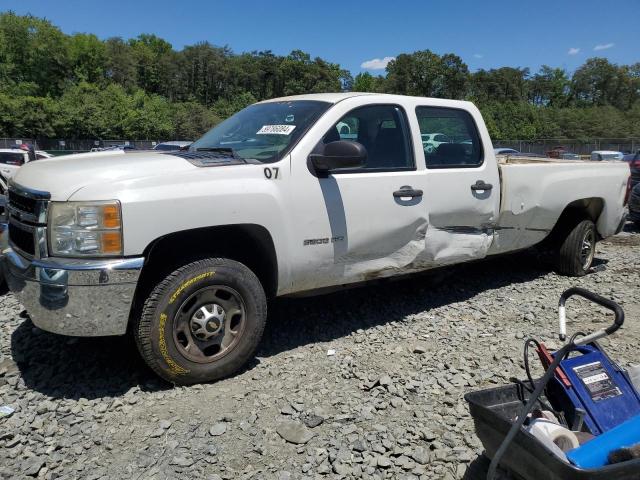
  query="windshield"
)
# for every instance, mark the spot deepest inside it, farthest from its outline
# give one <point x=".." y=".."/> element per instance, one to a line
<point x="264" y="132"/>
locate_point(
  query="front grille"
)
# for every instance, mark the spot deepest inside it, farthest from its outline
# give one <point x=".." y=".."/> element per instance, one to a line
<point x="27" y="217"/>
<point x="22" y="203"/>
<point x="22" y="239"/>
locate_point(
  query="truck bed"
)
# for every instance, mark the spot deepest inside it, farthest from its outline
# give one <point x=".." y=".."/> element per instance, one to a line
<point x="535" y="191"/>
<point x="517" y="159"/>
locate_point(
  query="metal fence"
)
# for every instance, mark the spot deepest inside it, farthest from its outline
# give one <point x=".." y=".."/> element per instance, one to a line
<point x="543" y="145"/>
<point x="581" y="147"/>
<point x="60" y="146"/>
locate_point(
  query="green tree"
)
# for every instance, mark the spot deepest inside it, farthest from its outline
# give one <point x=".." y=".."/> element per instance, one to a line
<point x="365" y="82"/>
<point x="33" y="51"/>
<point x="88" y="111"/>
<point x="191" y="120"/>
<point x="150" y="116"/>
<point x="504" y="84"/>
<point x="225" y="107"/>
<point x="120" y="63"/>
<point x="150" y="54"/>
<point x="599" y="82"/>
<point x="425" y="73"/>
<point x="87" y="58"/>
<point x="549" y="87"/>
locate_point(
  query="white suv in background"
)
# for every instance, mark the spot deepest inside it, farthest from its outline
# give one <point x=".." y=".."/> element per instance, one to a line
<point x="431" y="141"/>
<point x="11" y="159"/>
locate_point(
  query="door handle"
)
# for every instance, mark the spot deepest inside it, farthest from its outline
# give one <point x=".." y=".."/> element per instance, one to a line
<point x="407" y="191"/>
<point x="480" y="185"/>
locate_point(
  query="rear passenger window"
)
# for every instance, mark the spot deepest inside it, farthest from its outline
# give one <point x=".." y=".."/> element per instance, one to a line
<point x="449" y="138"/>
<point x="382" y="130"/>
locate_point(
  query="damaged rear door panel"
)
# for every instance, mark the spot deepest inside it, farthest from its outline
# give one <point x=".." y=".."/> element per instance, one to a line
<point x="463" y="186"/>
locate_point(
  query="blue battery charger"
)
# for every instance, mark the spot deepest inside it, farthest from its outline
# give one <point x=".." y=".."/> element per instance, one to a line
<point x="600" y="391"/>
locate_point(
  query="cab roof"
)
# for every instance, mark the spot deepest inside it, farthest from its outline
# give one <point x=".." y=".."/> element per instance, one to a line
<point x="321" y="97"/>
<point x="385" y="97"/>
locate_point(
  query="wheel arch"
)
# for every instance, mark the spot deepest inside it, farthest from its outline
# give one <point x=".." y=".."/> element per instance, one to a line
<point x="582" y="209"/>
<point x="249" y="244"/>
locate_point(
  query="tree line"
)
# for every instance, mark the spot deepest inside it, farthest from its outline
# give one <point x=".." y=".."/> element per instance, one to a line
<point x="79" y="86"/>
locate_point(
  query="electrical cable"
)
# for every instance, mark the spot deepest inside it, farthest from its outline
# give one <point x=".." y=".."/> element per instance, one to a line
<point x="523" y="414"/>
<point x="527" y="369"/>
<point x="576" y="335"/>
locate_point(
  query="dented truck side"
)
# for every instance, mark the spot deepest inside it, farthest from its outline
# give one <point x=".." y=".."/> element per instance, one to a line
<point x="208" y="234"/>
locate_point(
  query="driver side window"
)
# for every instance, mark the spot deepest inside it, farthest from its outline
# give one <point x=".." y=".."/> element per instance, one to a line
<point x="382" y="130"/>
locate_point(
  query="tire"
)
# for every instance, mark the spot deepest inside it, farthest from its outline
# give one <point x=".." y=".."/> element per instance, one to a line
<point x="203" y="322"/>
<point x="577" y="250"/>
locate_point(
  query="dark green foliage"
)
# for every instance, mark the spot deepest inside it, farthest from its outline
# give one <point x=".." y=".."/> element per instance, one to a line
<point x="78" y="86"/>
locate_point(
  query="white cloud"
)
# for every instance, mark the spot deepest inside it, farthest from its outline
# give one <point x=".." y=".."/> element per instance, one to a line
<point x="573" y="51"/>
<point x="603" y="46"/>
<point x="377" y="63"/>
<point x="478" y="55"/>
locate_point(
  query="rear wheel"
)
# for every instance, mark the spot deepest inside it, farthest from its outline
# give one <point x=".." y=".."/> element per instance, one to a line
<point x="577" y="250"/>
<point x="202" y="322"/>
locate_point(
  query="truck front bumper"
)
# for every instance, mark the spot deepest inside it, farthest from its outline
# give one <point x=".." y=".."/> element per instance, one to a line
<point x="84" y="298"/>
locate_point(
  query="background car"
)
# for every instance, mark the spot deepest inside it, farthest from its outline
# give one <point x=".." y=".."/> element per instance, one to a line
<point x="569" y="156"/>
<point x="598" y="155"/>
<point x="174" y="145"/>
<point x="41" y="154"/>
<point x="431" y="141"/>
<point x="634" y="205"/>
<point x="11" y="159"/>
<point x="505" y="151"/>
<point x="634" y="165"/>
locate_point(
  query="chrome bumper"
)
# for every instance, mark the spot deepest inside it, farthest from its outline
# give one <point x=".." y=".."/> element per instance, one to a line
<point x="84" y="298"/>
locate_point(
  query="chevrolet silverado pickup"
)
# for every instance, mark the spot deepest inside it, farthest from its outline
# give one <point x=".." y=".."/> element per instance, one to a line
<point x="182" y="249"/>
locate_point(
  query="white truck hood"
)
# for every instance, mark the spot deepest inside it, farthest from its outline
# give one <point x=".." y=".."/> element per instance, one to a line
<point x="63" y="176"/>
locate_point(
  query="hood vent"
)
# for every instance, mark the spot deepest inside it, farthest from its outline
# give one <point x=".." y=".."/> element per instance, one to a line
<point x="207" y="159"/>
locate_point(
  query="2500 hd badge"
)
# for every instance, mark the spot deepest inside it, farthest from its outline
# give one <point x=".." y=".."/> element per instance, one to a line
<point x="320" y="241"/>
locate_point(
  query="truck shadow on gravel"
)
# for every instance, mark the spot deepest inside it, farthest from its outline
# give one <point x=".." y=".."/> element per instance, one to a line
<point x="68" y="367"/>
<point x="90" y="368"/>
<point x="295" y="322"/>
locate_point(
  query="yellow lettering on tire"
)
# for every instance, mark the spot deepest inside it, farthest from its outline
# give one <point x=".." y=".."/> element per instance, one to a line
<point x="189" y="282"/>
<point x="174" y="368"/>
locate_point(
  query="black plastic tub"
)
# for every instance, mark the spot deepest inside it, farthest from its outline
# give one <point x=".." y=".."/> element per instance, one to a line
<point x="493" y="411"/>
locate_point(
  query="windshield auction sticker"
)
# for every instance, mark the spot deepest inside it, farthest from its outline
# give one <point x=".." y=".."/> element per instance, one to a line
<point x="276" y="130"/>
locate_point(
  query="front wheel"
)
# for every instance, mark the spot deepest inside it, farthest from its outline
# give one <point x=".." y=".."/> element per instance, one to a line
<point x="577" y="250"/>
<point x="202" y="322"/>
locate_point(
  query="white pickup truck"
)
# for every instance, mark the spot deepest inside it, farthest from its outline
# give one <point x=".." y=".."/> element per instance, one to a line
<point x="183" y="248"/>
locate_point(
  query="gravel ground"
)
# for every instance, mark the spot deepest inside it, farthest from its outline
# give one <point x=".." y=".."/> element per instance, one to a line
<point x="387" y="404"/>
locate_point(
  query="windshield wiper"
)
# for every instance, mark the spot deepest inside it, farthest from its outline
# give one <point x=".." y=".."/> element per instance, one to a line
<point x="227" y="152"/>
<point x="224" y="150"/>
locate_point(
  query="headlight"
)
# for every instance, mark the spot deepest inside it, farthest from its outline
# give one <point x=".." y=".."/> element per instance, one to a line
<point x="85" y="228"/>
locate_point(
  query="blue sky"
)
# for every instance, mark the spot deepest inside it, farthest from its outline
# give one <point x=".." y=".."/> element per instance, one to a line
<point x="486" y="34"/>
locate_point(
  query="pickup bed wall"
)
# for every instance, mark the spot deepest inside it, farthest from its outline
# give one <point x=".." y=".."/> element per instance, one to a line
<point x="534" y="195"/>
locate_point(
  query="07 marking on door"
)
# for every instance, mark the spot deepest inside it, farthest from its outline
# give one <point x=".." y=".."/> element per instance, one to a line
<point x="271" y="173"/>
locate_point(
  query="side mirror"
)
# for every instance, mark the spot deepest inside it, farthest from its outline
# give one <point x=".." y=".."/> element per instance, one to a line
<point x="337" y="155"/>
